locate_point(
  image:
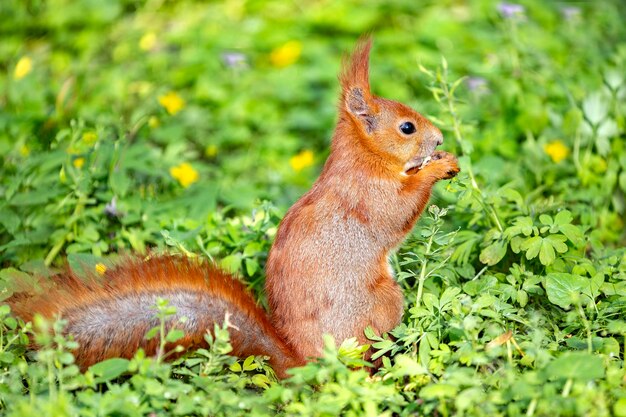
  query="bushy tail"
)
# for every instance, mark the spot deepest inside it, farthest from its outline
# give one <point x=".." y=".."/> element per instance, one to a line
<point x="109" y="317"/>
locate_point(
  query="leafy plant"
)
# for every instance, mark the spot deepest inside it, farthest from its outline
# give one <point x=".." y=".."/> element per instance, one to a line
<point x="191" y="127"/>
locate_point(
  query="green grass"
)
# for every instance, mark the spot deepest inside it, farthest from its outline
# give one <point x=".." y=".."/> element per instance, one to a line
<point x="191" y="127"/>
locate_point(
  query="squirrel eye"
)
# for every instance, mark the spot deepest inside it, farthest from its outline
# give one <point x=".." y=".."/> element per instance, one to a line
<point x="407" y="128"/>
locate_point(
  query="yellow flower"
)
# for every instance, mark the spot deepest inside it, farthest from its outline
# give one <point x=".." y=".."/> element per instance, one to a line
<point x="89" y="138"/>
<point x="101" y="268"/>
<point x="62" y="175"/>
<point x="598" y="164"/>
<point x="303" y="160"/>
<point x="23" y="67"/>
<point x="556" y="150"/>
<point x="172" y="102"/>
<point x="79" y="162"/>
<point x="211" y="151"/>
<point x="286" y="54"/>
<point x="148" y="41"/>
<point x="24" y="150"/>
<point x="154" y="122"/>
<point x="185" y="174"/>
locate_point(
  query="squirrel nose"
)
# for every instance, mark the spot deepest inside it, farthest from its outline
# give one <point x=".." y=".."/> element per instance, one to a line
<point x="438" y="137"/>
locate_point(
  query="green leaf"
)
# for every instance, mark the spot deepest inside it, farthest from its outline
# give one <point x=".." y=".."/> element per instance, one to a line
<point x="9" y="220"/>
<point x="261" y="380"/>
<point x="174" y="335"/>
<point x="252" y="249"/>
<point x="381" y="348"/>
<point x="437" y="391"/>
<point x="563" y="217"/>
<point x="580" y="366"/>
<point x="251" y="266"/>
<point x="603" y="144"/>
<point x="516" y="244"/>
<point x="493" y="253"/>
<point x="6" y="357"/>
<point x="4" y="310"/>
<point x="370" y="334"/>
<point x="32" y="198"/>
<point x="546" y="252"/>
<point x="595" y="108"/>
<point x="231" y="263"/>
<point x="619" y="409"/>
<point x="573" y="233"/>
<point x="120" y="182"/>
<point x="407" y="366"/>
<point x="622" y="181"/>
<point x="248" y="364"/>
<point x="532" y="247"/>
<point x="424" y="351"/>
<point x="563" y="289"/>
<point x="611" y="347"/>
<point x="545" y="219"/>
<point x="10" y="322"/>
<point x="109" y="369"/>
<point x="558" y="242"/>
<point x="13" y="276"/>
<point x="151" y="333"/>
<point x="526" y="225"/>
<point x="512" y="195"/>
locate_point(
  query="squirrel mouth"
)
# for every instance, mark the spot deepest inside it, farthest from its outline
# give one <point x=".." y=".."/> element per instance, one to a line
<point x="416" y="164"/>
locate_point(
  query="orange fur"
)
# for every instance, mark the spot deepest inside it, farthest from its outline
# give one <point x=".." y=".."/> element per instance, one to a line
<point x="327" y="271"/>
<point x="69" y="297"/>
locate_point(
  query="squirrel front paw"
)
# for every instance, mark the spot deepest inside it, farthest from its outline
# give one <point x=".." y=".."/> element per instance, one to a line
<point x="443" y="165"/>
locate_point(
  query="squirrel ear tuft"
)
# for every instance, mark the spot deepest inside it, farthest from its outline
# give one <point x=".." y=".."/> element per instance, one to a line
<point x="356" y="97"/>
<point x="355" y="68"/>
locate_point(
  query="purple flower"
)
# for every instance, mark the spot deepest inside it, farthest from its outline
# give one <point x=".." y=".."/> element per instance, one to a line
<point x="234" y="59"/>
<point x="570" y="12"/>
<point x="511" y="10"/>
<point x="476" y="84"/>
<point x="110" y="209"/>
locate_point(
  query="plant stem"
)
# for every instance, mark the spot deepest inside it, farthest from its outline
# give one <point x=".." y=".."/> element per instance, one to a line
<point x="583" y="316"/>
<point x="567" y="388"/>
<point x="509" y="352"/>
<point x="444" y="408"/>
<point x="161" y="337"/>
<point x="456" y="128"/>
<point x="54" y="251"/>
<point x="576" y="155"/>
<point x="51" y="385"/>
<point x="423" y="276"/>
<point x="531" y="408"/>
<point x="59" y="245"/>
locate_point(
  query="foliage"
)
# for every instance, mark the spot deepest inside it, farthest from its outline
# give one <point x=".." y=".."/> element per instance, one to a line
<point x="127" y="125"/>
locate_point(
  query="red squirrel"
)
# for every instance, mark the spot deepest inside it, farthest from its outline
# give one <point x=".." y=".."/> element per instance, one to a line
<point x="327" y="271"/>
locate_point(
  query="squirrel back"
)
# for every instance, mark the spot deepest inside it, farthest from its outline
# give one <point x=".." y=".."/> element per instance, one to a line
<point x="110" y="316"/>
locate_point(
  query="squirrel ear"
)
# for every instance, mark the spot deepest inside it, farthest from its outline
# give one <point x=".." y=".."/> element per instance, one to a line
<point x="358" y="104"/>
<point x="356" y="97"/>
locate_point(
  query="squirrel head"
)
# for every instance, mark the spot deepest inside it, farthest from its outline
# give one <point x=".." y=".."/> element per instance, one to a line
<point x="387" y="128"/>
